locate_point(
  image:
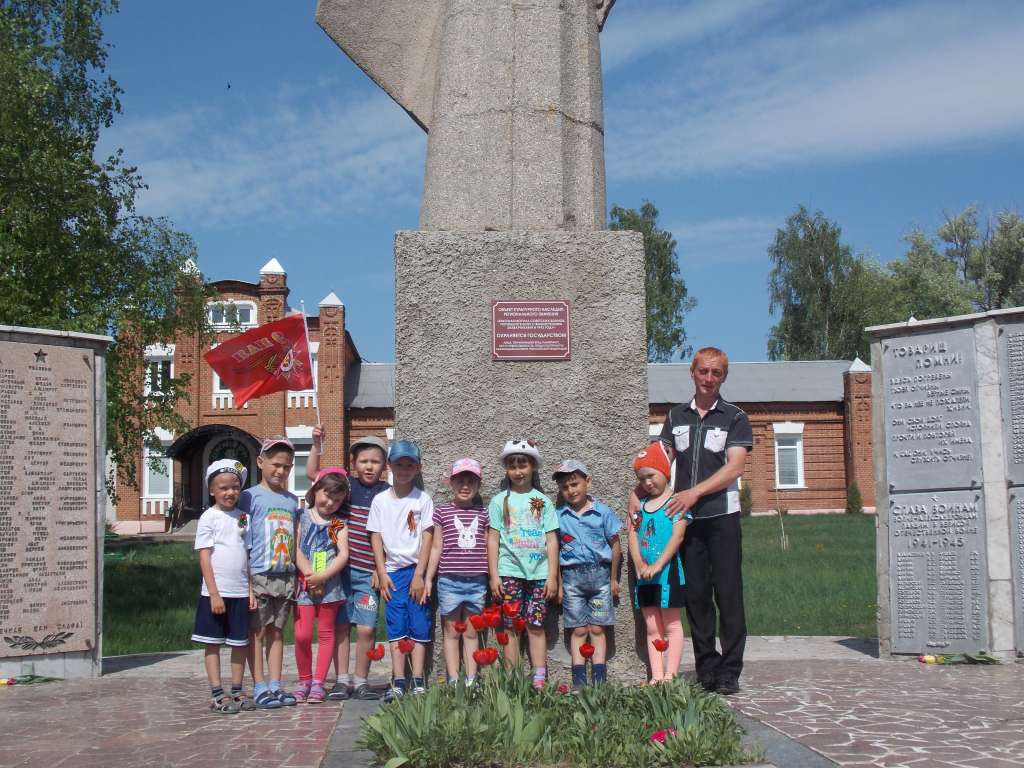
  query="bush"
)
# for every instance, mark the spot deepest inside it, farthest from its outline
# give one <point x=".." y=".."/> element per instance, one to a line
<point x="505" y="722"/>
<point x="746" y="500"/>
<point x="854" y="502"/>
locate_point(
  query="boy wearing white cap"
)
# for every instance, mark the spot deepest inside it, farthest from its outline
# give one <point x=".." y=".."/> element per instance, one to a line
<point x="222" y="615"/>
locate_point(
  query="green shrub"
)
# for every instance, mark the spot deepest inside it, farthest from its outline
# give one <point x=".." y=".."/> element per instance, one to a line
<point x="504" y="722"/>
<point x="746" y="500"/>
<point x="854" y="502"/>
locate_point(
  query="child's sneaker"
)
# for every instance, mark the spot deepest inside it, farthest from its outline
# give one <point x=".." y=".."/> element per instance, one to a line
<point x="340" y="692"/>
<point x="316" y="693"/>
<point x="393" y="693"/>
<point x="301" y="693"/>
<point x="363" y="692"/>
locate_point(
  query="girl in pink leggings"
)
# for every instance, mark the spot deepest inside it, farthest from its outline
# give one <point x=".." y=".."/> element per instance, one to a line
<point x="654" y="539"/>
<point x="321" y="555"/>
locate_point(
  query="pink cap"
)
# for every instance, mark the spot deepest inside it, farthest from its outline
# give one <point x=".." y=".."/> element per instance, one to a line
<point x="466" y="465"/>
<point x="330" y="471"/>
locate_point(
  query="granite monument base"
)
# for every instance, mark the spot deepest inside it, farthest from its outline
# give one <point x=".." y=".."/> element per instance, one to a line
<point x="454" y="400"/>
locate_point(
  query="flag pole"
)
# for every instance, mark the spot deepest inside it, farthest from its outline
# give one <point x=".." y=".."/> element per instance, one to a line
<point x="316" y="394"/>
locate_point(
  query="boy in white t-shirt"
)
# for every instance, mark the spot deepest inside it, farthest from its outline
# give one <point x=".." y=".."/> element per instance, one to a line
<point x="400" y="524"/>
<point x="222" y="616"/>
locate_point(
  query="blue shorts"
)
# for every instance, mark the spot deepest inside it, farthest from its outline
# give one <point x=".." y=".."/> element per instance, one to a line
<point x="403" y="615"/>
<point x="457" y="591"/>
<point x="587" y="595"/>
<point x="363" y="600"/>
<point x="228" y="628"/>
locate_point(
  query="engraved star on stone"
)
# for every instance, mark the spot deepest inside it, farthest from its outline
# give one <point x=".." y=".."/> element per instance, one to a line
<point x="40" y="356"/>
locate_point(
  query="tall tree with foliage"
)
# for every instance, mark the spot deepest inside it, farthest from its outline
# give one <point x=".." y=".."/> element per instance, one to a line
<point x="817" y="287"/>
<point x="73" y="254"/>
<point x="667" y="299"/>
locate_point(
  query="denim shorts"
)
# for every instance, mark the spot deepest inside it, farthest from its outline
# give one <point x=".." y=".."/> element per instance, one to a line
<point x="457" y="591"/>
<point x="587" y="595"/>
<point x="363" y="601"/>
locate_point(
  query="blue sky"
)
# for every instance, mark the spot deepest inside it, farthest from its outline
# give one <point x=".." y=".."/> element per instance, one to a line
<point x="727" y="114"/>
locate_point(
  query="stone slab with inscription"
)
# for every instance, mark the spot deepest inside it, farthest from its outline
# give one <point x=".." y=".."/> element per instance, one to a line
<point x="937" y="561"/>
<point x="930" y="401"/>
<point x="1011" y="364"/>
<point x="49" y="556"/>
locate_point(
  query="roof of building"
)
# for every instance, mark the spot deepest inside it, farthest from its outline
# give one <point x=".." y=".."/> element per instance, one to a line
<point x="372" y="385"/>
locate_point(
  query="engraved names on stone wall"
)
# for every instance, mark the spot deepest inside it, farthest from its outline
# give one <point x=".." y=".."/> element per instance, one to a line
<point x="1017" y="555"/>
<point x="938" y="574"/>
<point x="47" y="499"/>
<point x="1011" y="361"/>
<point x="930" y="400"/>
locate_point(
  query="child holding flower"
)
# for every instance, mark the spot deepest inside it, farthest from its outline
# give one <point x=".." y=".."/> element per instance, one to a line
<point x="522" y="551"/>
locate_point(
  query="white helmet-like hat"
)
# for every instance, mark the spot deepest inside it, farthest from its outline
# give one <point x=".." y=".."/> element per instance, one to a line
<point x="525" y="447"/>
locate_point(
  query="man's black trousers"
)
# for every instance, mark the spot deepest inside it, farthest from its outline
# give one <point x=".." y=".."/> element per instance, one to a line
<point x="712" y="561"/>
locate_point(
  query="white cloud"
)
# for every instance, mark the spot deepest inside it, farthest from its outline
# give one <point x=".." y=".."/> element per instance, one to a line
<point x="842" y="87"/>
<point x="724" y="240"/>
<point x="297" y="159"/>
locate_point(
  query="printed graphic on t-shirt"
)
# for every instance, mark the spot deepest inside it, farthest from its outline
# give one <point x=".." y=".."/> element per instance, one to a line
<point x="714" y="439"/>
<point x="280" y="538"/>
<point x="467" y="533"/>
<point x="525" y="539"/>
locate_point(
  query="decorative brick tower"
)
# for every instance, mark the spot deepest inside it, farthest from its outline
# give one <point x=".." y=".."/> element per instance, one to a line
<point x="273" y="298"/>
<point x="857" y="429"/>
<point x="331" y="368"/>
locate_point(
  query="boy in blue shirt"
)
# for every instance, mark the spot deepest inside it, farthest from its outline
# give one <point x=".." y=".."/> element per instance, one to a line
<point x="589" y="556"/>
<point x="270" y="538"/>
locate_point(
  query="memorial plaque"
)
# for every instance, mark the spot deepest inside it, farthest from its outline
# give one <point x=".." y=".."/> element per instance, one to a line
<point x="938" y="572"/>
<point x="530" y="330"/>
<point x="1017" y="554"/>
<point x="1011" y="365"/>
<point x="932" y="437"/>
<point x="47" y="499"/>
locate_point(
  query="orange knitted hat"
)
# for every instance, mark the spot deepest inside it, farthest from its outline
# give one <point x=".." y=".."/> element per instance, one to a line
<point x="656" y="457"/>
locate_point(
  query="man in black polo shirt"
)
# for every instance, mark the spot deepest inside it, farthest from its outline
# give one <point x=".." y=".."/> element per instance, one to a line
<point x="711" y="438"/>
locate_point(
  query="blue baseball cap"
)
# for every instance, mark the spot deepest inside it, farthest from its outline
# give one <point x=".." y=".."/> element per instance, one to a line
<point x="404" y="449"/>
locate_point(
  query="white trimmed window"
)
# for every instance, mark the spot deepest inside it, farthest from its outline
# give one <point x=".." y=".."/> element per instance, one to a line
<point x="219" y="388"/>
<point x="156" y="475"/>
<point x="224" y="314"/>
<point x="298" y="483"/>
<point x="789" y="454"/>
<point x="159" y="368"/>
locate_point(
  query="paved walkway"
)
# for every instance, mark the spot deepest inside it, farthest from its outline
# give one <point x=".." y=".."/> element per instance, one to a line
<point x="829" y="694"/>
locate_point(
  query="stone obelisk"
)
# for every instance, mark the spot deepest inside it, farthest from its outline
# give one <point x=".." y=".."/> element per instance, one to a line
<point x="513" y="209"/>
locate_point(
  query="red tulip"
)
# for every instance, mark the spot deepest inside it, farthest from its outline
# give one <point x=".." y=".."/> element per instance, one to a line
<point x="660" y="645"/>
<point x="376" y="654"/>
<point x="493" y="620"/>
<point x="478" y="621"/>
<point x="664" y="733"/>
<point x="587" y="650"/>
<point x="405" y="645"/>
<point x="501" y="637"/>
<point x="485" y="656"/>
<point x="563" y="688"/>
<point x="459" y="626"/>
<point x="511" y="609"/>
<point x="518" y="623"/>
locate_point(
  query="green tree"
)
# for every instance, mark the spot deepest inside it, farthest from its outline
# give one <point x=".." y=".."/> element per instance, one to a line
<point x="997" y="265"/>
<point x="823" y="294"/>
<point x="927" y="284"/>
<point x="73" y="254"/>
<point x="667" y="299"/>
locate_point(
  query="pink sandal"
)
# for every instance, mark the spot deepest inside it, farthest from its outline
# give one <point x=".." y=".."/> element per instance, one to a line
<point x="301" y="692"/>
<point x="316" y="693"/>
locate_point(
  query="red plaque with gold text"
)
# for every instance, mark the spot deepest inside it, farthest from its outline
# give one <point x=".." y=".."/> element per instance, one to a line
<point x="530" y="330"/>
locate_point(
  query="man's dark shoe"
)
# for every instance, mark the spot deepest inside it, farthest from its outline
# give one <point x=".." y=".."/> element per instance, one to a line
<point x="727" y="686"/>
<point x="340" y="692"/>
<point x="707" y="683"/>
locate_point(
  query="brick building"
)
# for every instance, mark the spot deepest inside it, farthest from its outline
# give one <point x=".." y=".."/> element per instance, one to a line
<point x="811" y="420"/>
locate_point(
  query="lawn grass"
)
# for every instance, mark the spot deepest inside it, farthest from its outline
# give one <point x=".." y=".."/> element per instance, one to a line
<point x="824" y="584"/>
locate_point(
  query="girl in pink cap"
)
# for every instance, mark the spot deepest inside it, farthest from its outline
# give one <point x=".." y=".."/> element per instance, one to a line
<point x="321" y="554"/>
<point x="459" y="556"/>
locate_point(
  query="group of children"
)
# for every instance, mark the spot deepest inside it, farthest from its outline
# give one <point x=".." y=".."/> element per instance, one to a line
<point x="359" y="540"/>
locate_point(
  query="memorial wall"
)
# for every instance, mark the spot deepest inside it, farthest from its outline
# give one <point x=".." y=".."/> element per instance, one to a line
<point x="51" y="502"/>
<point x="949" y="417"/>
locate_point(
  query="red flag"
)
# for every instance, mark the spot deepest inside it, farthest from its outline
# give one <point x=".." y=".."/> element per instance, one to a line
<point x="266" y="359"/>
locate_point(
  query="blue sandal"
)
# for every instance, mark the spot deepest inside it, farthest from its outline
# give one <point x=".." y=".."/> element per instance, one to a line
<point x="267" y="700"/>
<point x="286" y="699"/>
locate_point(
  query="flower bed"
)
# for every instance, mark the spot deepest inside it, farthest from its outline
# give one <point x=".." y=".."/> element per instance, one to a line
<point x="504" y="722"/>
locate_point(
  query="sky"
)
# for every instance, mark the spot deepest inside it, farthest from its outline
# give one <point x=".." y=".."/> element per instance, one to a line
<point x="261" y="139"/>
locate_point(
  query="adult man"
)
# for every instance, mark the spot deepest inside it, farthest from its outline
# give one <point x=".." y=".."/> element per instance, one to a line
<point x="711" y="438"/>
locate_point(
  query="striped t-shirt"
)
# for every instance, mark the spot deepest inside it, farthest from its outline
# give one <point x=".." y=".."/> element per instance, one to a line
<point x="360" y="553"/>
<point x="463" y="540"/>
